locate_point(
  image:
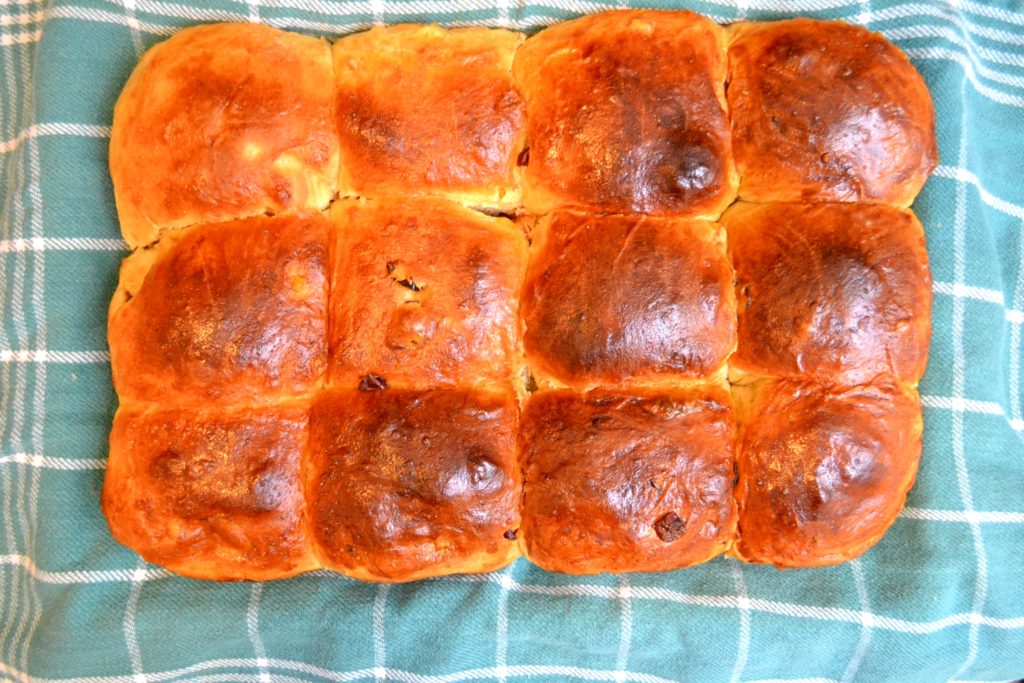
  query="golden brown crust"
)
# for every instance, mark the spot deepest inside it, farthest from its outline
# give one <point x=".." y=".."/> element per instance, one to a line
<point x="837" y="292"/>
<point x="823" y="472"/>
<point x="403" y="485"/>
<point x="627" y="483"/>
<point x="225" y="313"/>
<point x="426" y="110"/>
<point x="626" y="300"/>
<point x="211" y="495"/>
<point x="223" y="122"/>
<point x="626" y="113"/>
<point x="299" y="393"/>
<point x="424" y="293"/>
<point x="825" y="110"/>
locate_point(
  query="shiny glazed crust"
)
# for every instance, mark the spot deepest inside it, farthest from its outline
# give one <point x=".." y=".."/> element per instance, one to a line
<point x="827" y="111"/>
<point x="409" y="383"/>
<point x="211" y="494"/>
<point x="424" y="293"/>
<point x="223" y="122"/>
<point x="823" y="471"/>
<point x="834" y="292"/>
<point x="221" y="314"/>
<point x="626" y="301"/>
<point x="404" y="485"/>
<point x="618" y="483"/>
<point x="626" y="113"/>
<point x="429" y="110"/>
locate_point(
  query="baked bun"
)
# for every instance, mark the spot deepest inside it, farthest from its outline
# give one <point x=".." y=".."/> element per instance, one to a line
<point x="626" y="113"/>
<point x="835" y="292"/>
<point x="404" y="485"/>
<point x="223" y="313"/>
<point x="617" y="483"/>
<point x="222" y="122"/>
<point x="823" y="471"/>
<point x="424" y="293"/>
<point x="426" y="110"/>
<point x="211" y="494"/>
<point x="524" y="324"/>
<point x="626" y="300"/>
<point x="827" y="111"/>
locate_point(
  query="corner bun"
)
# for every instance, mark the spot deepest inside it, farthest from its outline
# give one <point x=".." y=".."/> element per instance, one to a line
<point x="827" y="111"/>
<point x="823" y="471"/>
<point x="222" y="122"/>
<point x="211" y="495"/>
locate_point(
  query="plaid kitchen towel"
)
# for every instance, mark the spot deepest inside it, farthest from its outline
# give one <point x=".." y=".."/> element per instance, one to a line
<point x="941" y="597"/>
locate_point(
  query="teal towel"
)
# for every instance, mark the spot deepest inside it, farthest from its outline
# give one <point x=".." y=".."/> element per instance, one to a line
<point x="940" y="597"/>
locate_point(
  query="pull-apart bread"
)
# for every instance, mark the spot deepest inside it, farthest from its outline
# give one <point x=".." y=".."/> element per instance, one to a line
<point x="426" y="300"/>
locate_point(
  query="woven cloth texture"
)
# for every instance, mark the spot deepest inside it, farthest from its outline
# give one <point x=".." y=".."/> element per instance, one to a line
<point x="940" y="597"/>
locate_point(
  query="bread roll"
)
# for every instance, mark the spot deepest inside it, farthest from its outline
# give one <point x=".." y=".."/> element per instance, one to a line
<point x="301" y="390"/>
<point x="627" y="300"/>
<point x="426" y="110"/>
<point x="627" y="483"/>
<point x="223" y="313"/>
<point x="626" y="113"/>
<point x="832" y="292"/>
<point x="222" y="122"/>
<point x="823" y="471"/>
<point x="404" y="485"/>
<point x="424" y="294"/>
<point x="211" y="494"/>
<point x="827" y="111"/>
